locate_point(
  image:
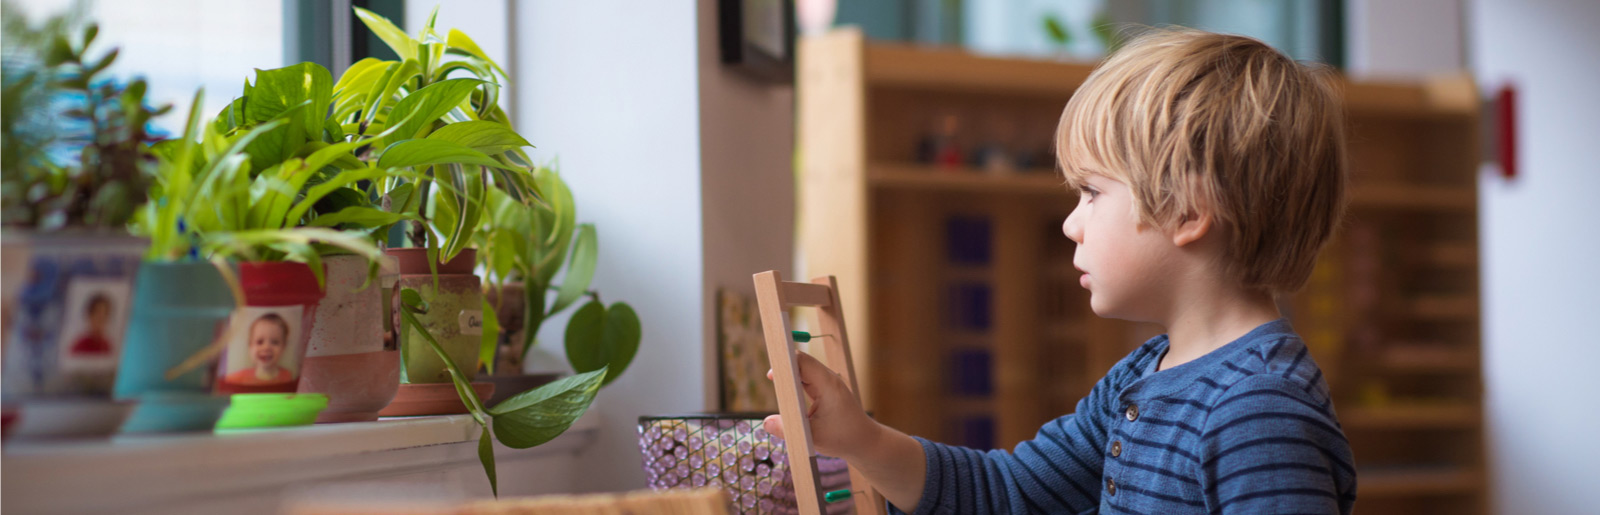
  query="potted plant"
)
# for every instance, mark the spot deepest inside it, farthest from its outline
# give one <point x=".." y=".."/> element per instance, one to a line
<point x="76" y="161"/>
<point x="181" y="306"/>
<point x="277" y="203"/>
<point x="354" y="362"/>
<point x="457" y="145"/>
<point x="522" y="271"/>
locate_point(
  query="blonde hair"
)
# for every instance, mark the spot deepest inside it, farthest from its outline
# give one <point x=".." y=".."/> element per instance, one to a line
<point x="1196" y="122"/>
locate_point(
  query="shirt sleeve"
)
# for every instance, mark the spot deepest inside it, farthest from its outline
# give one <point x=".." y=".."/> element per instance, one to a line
<point x="1056" y="472"/>
<point x="1270" y="447"/>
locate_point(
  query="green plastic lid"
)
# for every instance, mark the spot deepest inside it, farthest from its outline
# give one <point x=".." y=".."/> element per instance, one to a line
<point x="254" y="410"/>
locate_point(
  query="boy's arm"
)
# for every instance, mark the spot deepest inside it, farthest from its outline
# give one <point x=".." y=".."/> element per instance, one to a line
<point x="1058" y="471"/>
<point x="1271" y="447"/>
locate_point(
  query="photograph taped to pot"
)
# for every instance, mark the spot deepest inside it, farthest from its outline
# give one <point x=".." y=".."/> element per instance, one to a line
<point x="91" y="335"/>
<point x="48" y="317"/>
<point x="264" y="347"/>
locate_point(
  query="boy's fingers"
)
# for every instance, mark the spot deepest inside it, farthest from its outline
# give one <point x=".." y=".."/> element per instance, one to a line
<point x="812" y="371"/>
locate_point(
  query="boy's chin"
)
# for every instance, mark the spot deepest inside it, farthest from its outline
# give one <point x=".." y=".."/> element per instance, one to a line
<point x="1105" y="308"/>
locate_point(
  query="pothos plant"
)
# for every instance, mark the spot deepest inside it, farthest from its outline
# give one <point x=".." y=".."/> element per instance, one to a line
<point x="439" y="108"/>
<point x="451" y="147"/>
<point x="597" y="335"/>
<point x="525" y="420"/>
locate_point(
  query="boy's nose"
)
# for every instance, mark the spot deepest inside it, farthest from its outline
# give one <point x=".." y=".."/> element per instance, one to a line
<point x="1072" y="228"/>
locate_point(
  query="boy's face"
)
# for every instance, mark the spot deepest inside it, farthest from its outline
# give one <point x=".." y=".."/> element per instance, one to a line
<point x="99" y="316"/>
<point x="266" y="342"/>
<point x="1121" y="260"/>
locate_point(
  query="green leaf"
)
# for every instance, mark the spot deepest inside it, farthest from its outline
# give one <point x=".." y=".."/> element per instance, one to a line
<point x="360" y="76"/>
<point x="402" y="44"/>
<point x="361" y="216"/>
<point x="598" y="337"/>
<point x="481" y="135"/>
<point x="423" y="106"/>
<point x="1056" y="30"/>
<point x="491" y="337"/>
<point x="279" y="90"/>
<point x="423" y="152"/>
<point x="486" y="456"/>
<point x="620" y="339"/>
<point x="340" y="180"/>
<point x="471" y="210"/>
<point x="458" y="39"/>
<point x="413" y="300"/>
<point x="539" y="415"/>
<point x="226" y="243"/>
<point x="580" y="270"/>
<point x="383" y="91"/>
<point x="585" y="351"/>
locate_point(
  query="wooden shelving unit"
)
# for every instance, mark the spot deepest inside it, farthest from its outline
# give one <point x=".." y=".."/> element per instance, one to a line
<point x="969" y="325"/>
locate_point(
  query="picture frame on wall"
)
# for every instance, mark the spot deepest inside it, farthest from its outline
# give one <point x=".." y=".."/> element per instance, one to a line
<point x="757" y="37"/>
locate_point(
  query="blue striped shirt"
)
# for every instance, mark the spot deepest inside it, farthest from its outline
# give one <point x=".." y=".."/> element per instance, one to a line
<point x="1247" y="428"/>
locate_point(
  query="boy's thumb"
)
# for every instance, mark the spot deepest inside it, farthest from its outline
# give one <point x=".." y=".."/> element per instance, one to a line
<point x="773" y="425"/>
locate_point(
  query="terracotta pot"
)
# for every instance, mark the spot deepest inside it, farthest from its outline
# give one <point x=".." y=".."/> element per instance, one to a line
<point x="267" y="337"/>
<point x="358" y="386"/>
<point x="510" y="303"/>
<point x="352" y="361"/>
<point x="454" y="318"/>
<point x="432" y="399"/>
<point x="67" y="317"/>
<point x="414" y="261"/>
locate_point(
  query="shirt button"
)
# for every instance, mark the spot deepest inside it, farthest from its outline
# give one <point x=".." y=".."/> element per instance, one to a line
<point x="1111" y="486"/>
<point x="1133" y="412"/>
<point x="1116" y="449"/>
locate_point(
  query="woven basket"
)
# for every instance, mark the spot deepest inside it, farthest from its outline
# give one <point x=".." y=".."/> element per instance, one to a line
<point x="733" y="451"/>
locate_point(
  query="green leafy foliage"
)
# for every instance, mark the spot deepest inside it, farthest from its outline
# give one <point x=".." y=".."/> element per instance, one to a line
<point x="73" y="141"/>
<point x="449" y="130"/>
<point x="596" y="336"/>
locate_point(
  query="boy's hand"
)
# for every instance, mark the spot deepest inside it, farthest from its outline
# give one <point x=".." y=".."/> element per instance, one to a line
<point x="892" y="461"/>
<point x="839" y="426"/>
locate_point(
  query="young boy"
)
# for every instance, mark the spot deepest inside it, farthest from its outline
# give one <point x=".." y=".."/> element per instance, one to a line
<point x="1211" y="171"/>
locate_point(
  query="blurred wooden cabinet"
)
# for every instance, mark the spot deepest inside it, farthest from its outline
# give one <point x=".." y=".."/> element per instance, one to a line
<point x="927" y="187"/>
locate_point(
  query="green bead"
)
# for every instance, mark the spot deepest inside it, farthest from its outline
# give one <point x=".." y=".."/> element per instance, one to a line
<point x="836" y="496"/>
<point x="801" y="336"/>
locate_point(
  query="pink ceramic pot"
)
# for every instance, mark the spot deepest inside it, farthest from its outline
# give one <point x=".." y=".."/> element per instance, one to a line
<point x="350" y="358"/>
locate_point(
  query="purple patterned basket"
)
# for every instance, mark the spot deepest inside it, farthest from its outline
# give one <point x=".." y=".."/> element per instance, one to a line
<point x="731" y="450"/>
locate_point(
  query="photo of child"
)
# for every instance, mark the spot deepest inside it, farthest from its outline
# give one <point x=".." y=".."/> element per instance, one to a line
<point x="92" y="325"/>
<point x="261" y="353"/>
<point x="93" y="341"/>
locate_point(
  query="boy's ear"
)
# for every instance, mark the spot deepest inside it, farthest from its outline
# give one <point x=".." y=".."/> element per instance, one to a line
<point x="1195" y="225"/>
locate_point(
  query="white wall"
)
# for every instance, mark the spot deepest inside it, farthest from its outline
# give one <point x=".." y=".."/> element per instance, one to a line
<point x="610" y="87"/>
<point x="747" y="167"/>
<point x="1541" y="248"/>
<point x="1409" y="38"/>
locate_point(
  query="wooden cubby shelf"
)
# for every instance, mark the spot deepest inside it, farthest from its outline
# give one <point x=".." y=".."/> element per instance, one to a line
<point x="969" y="326"/>
<point x="1417" y="482"/>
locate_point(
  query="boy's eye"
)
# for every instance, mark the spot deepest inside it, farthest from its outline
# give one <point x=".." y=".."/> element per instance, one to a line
<point x="1088" y="192"/>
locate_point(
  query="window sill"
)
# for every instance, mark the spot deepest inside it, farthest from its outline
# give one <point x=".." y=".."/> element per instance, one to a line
<point x="250" y="471"/>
